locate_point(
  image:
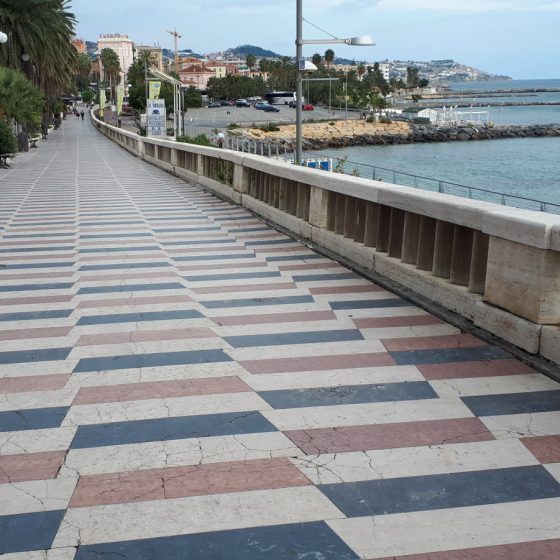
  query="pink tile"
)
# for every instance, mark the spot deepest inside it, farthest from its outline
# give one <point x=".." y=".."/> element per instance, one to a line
<point x="461" y="370"/>
<point x="161" y="390"/>
<point x="24" y="334"/>
<point x="30" y="383"/>
<point x="50" y="257"/>
<point x="545" y="448"/>
<point x="128" y="276"/>
<point x="35" y="299"/>
<point x="179" y="482"/>
<point x="30" y="466"/>
<point x="209" y="249"/>
<point x="430" y="342"/>
<point x="126" y="301"/>
<point x="319" y="363"/>
<point x="537" y="550"/>
<point x="122" y="257"/>
<point x="311" y="266"/>
<point x="234" y="288"/>
<point x="403" y="321"/>
<point x="389" y="436"/>
<point x="37" y="276"/>
<point x="275" y="318"/>
<point x="144" y="336"/>
<point x="361" y="288"/>
<point x="225" y="266"/>
<point x="36" y="242"/>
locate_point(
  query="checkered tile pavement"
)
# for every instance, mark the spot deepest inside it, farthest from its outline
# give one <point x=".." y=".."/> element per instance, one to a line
<point x="181" y="381"/>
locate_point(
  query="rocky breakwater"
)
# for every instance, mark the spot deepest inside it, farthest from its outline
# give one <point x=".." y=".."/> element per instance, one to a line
<point x="340" y="134"/>
<point x="333" y="134"/>
<point x="430" y="133"/>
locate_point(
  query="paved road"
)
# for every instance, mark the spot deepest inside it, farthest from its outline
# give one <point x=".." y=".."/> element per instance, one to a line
<point x="181" y="381"/>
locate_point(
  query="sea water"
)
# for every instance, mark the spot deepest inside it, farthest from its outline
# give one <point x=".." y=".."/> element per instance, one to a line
<point x="526" y="167"/>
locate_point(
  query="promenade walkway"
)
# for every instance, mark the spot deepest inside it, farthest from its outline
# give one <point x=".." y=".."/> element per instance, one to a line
<point x="180" y="381"/>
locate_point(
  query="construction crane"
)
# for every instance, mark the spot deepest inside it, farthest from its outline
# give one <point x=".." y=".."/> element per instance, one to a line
<point x="176" y="37"/>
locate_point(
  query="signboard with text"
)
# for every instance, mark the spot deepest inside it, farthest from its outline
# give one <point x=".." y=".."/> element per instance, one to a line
<point x="156" y="119"/>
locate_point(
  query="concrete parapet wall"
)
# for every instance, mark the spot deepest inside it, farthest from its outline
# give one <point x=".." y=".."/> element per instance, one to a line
<point x="497" y="267"/>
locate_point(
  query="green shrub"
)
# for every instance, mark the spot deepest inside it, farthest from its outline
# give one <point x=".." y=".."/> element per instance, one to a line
<point x="270" y="127"/>
<point x="370" y="119"/>
<point x="385" y="120"/>
<point x="200" y="140"/>
<point x="233" y="125"/>
<point x="8" y="143"/>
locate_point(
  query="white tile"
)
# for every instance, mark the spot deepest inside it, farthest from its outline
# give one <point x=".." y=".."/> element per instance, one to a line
<point x="554" y="470"/>
<point x="306" y="350"/>
<point x="420" y="532"/>
<point x="333" y="378"/>
<point x="163" y="408"/>
<point x="366" y="414"/>
<point x="195" y="514"/>
<point x="523" y="425"/>
<point x="409" y="332"/>
<point x="53" y="554"/>
<point x="176" y="453"/>
<point x="36" y="441"/>
<point x="450" y="388"/>
<point x="414" y="461"/>
<point x="36" y="495"/>
<point x="37" y="399"/>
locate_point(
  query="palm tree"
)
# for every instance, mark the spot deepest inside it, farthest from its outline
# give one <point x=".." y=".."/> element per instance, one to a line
<point x="251" y="61"/>
<point x="40" y="31"/>
<point x="329" y="57"/>
<point x="20" y="100"/>
<point x="361" y="70"/>
<point x="317" y="59"/>
<point x="111" y="67"/>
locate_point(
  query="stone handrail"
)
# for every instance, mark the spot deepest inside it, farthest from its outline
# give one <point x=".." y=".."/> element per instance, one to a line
<point x="498" y="267"/>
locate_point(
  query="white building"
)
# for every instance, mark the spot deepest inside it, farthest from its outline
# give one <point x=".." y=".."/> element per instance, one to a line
<point x="122" y="45"/>
<point x="386" y="69"/>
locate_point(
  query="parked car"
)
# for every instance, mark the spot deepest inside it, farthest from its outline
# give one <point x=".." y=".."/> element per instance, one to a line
<point x="225" y="103"/>
<point x="308" y="107"/>
<point x="271" y="109"/>
<point x="213" y="105"/>
<point x="261" y="105"/>
<point x="242" y="103"/>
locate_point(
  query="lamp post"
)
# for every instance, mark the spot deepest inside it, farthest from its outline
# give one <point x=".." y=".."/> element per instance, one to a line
<point x="3" y="38"/>
<point x="360" y="41"/>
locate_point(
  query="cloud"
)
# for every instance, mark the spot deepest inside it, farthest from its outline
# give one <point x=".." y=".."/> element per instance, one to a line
<point x="468" y="7"/>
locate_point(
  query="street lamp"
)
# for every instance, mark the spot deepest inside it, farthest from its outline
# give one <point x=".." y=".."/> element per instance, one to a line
<point x="3" y="37"/>
<point x="359" y="41"/>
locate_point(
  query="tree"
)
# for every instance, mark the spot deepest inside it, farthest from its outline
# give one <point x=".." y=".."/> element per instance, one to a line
<point x="41" y="29"/>
<point x="87" y="96"/>
<point x="20" y="100"/>
<point x="83" y="68"/>
<point x="251" y="61"/>
<point x="317" y="59"/>
<point x="193" y="98"/>
<point x="8" y="143"/>
<point x="361" y="70"/>
<point x="111" y="67"/>
<point x="412" y="77"/>
<point x="329" y="57"/>
<point x="416" y="98"/>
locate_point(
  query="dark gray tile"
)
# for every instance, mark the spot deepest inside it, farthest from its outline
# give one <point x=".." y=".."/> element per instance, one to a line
<point x="36" y="315"/>
<point x="140" y="316"/>
<point x="158" y="359"/>
<point x="29" y="531"/>
<point x="368" y="304"/>
<point x="449" y="355"/>
<point x="279" y="339"/>
<point x="349" y="394"/>
<point x="515" y="403"/>
<point x="312" y="541"/>
<point x="165" y="429"/>
<point x="131" y="288"/>
<point x="257" y="302"/>
<point x="37" y="287"/>
<point x="26" y="356"/>
<point x="441" y="491"/>
<point x="32" y="419"/>
<point x="324" y="277"/>
<point x="195" y="258"/>
<point x="124" y="266"/>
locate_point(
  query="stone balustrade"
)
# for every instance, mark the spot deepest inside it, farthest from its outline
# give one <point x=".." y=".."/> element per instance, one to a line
<point x="497" y="267"/>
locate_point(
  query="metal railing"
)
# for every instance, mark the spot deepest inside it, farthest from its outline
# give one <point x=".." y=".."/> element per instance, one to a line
<point x="374" y="172"/>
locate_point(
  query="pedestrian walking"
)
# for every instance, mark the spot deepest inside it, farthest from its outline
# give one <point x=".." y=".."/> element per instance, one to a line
<point x="82" y="114"/>
<point x="221" y="139"/>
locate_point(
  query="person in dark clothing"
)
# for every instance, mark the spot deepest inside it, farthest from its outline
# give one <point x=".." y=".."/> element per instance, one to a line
<point x="82" y="114"/>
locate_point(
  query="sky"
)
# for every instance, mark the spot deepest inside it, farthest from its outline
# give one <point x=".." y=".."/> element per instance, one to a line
<point x="518" y="38"/>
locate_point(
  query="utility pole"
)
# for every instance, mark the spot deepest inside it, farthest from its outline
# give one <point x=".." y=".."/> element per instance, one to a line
<point x="176" y="36"/>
